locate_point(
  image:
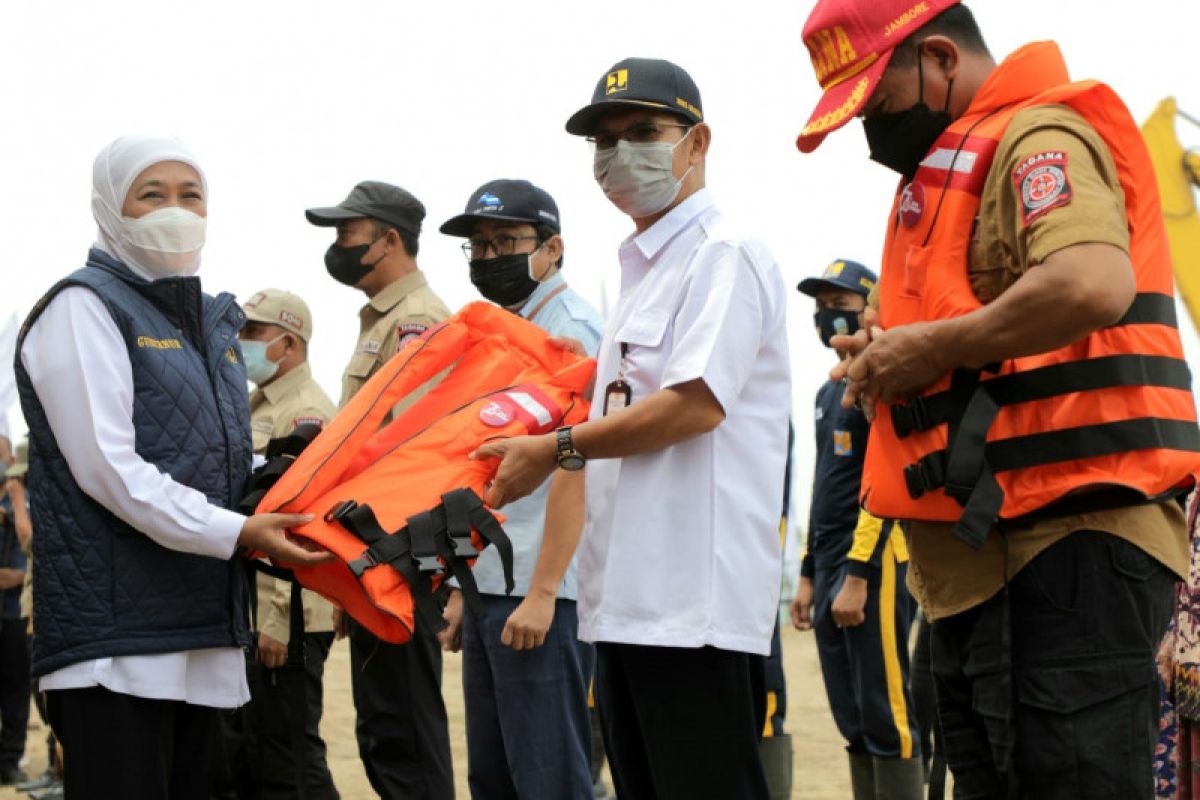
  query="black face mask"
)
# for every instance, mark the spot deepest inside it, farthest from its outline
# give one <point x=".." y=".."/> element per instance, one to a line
<point x="901" y="139"/>
<point x="344" y="264"/>
<point x="832" y="322"/>
<point x="505" y="280"/>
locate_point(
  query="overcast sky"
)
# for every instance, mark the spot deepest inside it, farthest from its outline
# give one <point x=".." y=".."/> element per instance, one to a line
<point x="289" y="104"/>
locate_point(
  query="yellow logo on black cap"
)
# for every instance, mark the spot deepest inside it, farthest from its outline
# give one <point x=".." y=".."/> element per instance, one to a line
<point x="616" y="81"/>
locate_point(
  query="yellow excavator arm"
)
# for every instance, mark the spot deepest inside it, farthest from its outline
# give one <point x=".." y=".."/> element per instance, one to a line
<point x="1178" y="172"/>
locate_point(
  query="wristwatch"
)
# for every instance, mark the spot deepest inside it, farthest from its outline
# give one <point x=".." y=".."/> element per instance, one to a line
<point x="568" y="457"/>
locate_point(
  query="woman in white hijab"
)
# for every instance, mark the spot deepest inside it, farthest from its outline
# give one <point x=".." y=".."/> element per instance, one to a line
<point x="133" y="387"/>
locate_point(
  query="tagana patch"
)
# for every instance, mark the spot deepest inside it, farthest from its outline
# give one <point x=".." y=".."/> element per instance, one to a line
<point x="1042" y="183"/>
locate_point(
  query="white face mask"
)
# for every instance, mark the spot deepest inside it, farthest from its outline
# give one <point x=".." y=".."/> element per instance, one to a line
<point x="166" y="241"/>
<point x="638" y="178"/>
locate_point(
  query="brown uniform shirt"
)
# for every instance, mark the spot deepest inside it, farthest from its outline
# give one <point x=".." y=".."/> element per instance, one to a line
<point x="945" y="575"/>
<point x="276" y="410"/>
<point x="402" y="310"/>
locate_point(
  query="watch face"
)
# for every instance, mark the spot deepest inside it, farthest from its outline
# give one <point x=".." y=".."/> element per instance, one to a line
<point x="571" y="463"/>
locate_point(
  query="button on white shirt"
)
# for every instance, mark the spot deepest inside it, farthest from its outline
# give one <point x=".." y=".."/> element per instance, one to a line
<point x="79" y="366"/>
<point x="681" y="546"/>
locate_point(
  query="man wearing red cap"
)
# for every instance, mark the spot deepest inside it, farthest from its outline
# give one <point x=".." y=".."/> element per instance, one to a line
<point x="1032" y="427"/>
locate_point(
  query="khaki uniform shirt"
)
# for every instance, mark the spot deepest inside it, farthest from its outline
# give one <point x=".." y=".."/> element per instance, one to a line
<point x="276" y="410"/>
<point x="945" y="575"/>
<point x="403" y="310"/>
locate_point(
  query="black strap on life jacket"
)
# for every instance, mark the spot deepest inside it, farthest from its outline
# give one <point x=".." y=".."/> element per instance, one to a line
<point x="1104" y="372"/>
<point x="281" y="453"/>
<point x="966" y="469"/>
<point x="432" y="542"/>
<point x="982" y="496"/>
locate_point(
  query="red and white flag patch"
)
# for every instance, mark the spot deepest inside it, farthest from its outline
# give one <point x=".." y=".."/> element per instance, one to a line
<point x="1042" y="182"/>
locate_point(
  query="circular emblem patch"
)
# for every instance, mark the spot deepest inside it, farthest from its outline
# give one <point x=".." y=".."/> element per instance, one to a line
<point x="495" y="415"/>
<point x="1042" y="185"/>
<point x="912" y="204"/>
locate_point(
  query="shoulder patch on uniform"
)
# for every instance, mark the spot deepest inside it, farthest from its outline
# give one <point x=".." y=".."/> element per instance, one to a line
<point x="1042" y="181"/>
<point x="298" y="421"/>
<point x="408" y="330"/>
<point x="843" y="445"/>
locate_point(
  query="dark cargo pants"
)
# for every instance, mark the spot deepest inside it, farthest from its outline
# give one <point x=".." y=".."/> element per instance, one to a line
<point x="1072" y="701"/>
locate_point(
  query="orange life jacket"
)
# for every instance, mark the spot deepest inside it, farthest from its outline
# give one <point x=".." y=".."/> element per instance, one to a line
<point x="399" y="505"/>
<point x="1106" y="421"/>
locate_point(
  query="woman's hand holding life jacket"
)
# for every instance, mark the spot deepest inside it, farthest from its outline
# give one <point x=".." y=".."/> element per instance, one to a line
<point x="525" y="463"/>
<point x="268" y="534"/>
<point x="527" y="626"/>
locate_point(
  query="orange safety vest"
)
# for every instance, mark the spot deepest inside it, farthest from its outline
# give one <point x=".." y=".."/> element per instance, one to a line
<point x="399" y="506"/>
<point x="1104" y="422"/>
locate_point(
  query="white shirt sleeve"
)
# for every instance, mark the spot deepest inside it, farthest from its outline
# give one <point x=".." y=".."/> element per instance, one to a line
<point x="719" y="326"/>
<point x="79" y="366"/>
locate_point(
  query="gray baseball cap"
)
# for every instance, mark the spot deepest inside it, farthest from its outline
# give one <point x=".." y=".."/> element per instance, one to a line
<point x="377" y="200"/>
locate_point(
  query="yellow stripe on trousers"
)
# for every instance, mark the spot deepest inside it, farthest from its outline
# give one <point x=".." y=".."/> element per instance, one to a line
<point x="891" y="657"/>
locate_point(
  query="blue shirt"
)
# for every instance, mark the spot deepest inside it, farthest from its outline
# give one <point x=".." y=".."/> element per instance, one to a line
<point x="564" y="314"/>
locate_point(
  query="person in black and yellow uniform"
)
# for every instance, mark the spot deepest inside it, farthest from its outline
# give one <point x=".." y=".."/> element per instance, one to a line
<point x="851" y="591"/>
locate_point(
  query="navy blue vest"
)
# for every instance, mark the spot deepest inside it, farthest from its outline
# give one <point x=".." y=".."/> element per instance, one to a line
<point x="100" y="587"/>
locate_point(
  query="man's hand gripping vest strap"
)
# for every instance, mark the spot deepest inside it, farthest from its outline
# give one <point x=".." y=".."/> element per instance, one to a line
<point x="281" y="454"/>
<point x="431" y="539"/>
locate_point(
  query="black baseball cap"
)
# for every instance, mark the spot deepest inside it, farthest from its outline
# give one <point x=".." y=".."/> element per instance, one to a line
<point x="376" y="200"/>
<point x="841" y="274"/>
<point x="640" y="83"/>
<point x="504" y="199"/>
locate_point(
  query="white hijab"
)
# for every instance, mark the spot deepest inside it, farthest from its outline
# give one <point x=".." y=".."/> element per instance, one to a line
<point x="113" y="173"/>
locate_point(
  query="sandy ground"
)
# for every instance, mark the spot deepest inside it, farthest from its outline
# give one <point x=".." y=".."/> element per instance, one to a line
<point x="820" y="762"/>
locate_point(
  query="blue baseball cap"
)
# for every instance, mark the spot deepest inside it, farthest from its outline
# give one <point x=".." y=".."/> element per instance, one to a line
<point x="841" y="274"/>
<point x="509" y="200"/>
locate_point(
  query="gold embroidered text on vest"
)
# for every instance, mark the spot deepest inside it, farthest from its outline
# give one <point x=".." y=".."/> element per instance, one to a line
<point x="159" y="344"/>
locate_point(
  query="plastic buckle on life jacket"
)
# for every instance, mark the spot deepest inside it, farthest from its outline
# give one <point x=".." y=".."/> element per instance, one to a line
<point x="339" y="511"/>
<point x="925" y="475"/>
<point x="910" y="417"/>
<point x="363" y="563"/>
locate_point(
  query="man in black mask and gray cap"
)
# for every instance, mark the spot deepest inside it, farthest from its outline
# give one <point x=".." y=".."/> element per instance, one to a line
<point x="403" y="735"/>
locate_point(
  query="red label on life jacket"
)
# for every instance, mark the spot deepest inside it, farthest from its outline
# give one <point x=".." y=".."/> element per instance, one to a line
<point x="526" y="404"/>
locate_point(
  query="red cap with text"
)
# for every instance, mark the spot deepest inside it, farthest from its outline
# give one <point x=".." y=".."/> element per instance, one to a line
<point x="850" y="43"/>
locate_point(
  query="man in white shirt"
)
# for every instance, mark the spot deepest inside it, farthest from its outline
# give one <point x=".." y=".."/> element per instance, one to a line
<point x="679" y="565"/>
<point x="134" y="390"/>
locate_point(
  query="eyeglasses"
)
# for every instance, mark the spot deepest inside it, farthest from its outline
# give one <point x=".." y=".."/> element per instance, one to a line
<point x="501" y="246"/>
<point x="637" y="133"/>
